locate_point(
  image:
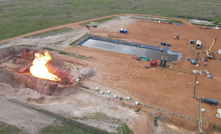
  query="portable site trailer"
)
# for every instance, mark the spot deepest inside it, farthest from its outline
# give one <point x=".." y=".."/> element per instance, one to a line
<point x="198" y="44"/>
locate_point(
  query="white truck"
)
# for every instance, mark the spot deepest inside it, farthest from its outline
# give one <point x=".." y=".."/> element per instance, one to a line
<point x="198" y="44"/>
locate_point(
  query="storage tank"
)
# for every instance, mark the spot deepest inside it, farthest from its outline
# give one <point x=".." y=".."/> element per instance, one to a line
<point x="198" y="44"/>
<point x="121" y="30"/>
<point x="163" y="61"/>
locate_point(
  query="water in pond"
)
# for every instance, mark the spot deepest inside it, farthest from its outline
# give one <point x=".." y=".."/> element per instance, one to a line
<point x="141" y="52"/>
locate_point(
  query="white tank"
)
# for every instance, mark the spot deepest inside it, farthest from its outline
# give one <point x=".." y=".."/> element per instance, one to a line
<point x="108" y="92"/>
<point x="115" y="96"/>
<point x="198" y="44"/>
<point x="101" y="92"/>
<point x="97" y="89"/>
<point x="128" y="98"/>
<point x="137" y="103"/>
<point x="197" y="82"/>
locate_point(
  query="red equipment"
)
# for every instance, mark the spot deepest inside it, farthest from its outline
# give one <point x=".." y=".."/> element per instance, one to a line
<point x="153" y="62"/>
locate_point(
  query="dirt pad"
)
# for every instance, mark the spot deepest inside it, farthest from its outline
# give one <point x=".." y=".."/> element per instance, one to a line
<point x="166" y="89"/>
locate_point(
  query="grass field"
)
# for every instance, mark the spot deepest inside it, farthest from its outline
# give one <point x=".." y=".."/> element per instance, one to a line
<point x="23" y="16"/>
<point x="9" y="129"/>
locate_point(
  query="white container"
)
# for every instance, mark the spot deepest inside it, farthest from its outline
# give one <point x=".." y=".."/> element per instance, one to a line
<point x="197" y="65"/>
<point x="97" y="89"/>
<point x="101" y="92"/>
<point x="208" y="76"/>
<point x="197" y="82"/>
<point x="207" y="72"/>
<point x="202" y="110"/>
<point x="217" y="28"/>
<point x="108" y="92"/>
<point x="115" y="96"/>
<point x="219" y="51"/>
<point x="137" y="103"/>
<point x="128" y="98"/>
<point x="77" y="80"/>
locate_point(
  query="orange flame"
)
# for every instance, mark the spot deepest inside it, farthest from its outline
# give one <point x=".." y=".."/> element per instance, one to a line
<point x="39" y="67"/>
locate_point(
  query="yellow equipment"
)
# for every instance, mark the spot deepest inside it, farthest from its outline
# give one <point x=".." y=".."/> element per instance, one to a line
<point x="209" y="53"/>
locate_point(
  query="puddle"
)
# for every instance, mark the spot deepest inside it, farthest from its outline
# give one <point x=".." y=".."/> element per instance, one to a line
<point x="125" y="49"/>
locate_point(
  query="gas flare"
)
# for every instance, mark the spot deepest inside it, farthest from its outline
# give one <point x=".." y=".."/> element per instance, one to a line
<point x="39" y="67"/>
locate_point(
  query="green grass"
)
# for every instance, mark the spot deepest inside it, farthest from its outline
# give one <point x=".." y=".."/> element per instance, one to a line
<point x="218" y="129"/>
<point x="121" y="129"/>
<point x="9" y="129"/>
<point x="98" y="21"/>
<point x="64" y="128"/>
<point x="74" y="43"/>
<point x="155" y="121"/>
<point x="137" y="111"/>
<point x="19" y="17"/>
<point x="50" y="33"/>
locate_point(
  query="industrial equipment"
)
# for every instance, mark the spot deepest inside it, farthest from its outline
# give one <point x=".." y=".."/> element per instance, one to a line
<point x="142" y="58"/>
<point x="164" y="44"/>
<point x="209" y="52"/>
<point x="218" y="115"/>
<point x="198" y="44"/>
<point x="153" y="62"/>
<point x="210" y="101"/>
<point x="192" y="41"/>
<point x="193" y="61"/>
<point x="163" y="61"/>
<point x="177" y="37"/>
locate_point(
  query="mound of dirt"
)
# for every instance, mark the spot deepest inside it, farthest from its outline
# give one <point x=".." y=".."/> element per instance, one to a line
<point x="87" y="72"/>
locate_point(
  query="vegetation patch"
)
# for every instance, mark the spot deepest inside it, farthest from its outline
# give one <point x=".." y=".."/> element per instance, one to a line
<point x="137" y="110"/>
<point x="121" y="127"/>
<point x="9" y="129"/>
<point x="218" y="129"/>
<point x="62" y="127"/>
<point x="155" y="121"/>
<point x="76" y="41"/>
<point x="50" y="33"/>
<point x="19" y="17"/>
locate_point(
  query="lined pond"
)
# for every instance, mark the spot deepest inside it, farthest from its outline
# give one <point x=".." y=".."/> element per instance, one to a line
<point x="125" y="49"/>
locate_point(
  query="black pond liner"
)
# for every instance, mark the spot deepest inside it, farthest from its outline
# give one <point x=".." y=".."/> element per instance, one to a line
<point x="131" y="48"/>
